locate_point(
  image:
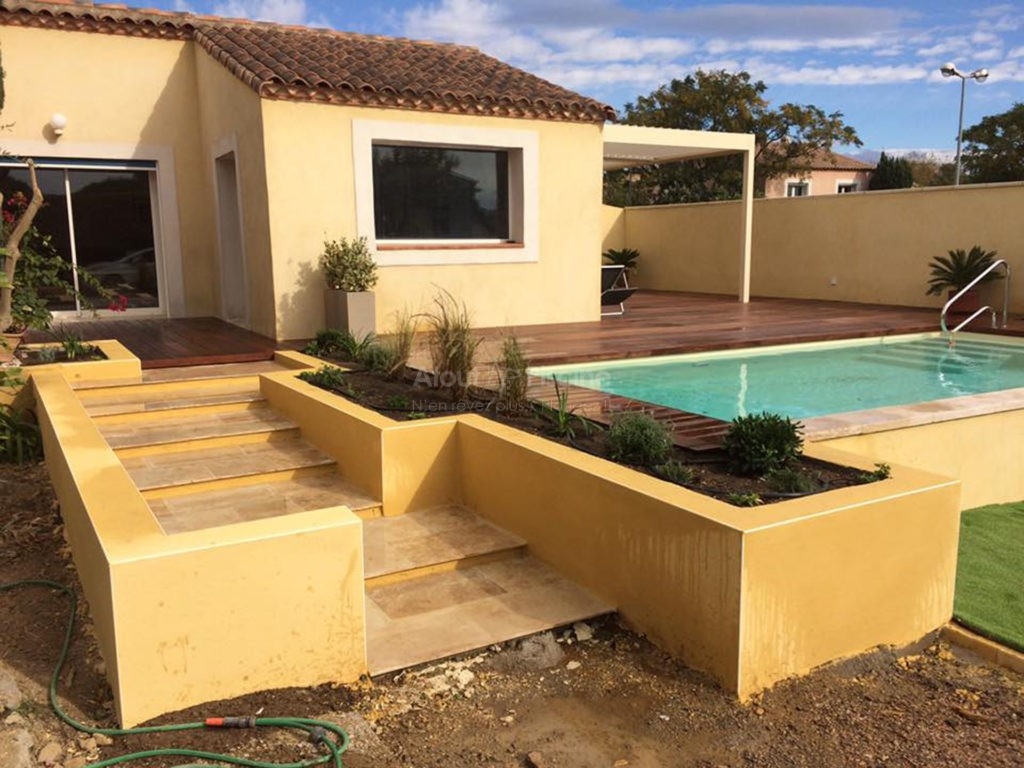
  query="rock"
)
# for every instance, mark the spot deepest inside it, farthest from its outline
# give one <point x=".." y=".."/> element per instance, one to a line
<point x="102" y="739"/>
<point x="536" y="760"/>
<point x="88" y="743"/>
<point x="464" y="677"/>
<point x="51" y="753"/>
<point x="10" y="694"/>
<point x="583" y="631"/>
<point x="76" y="762"/>
<point x="573" y="665"/>
<point x="621" y="763"/>
<point x="16" y="749"/>
<point x="14" y="719"/>
<point x="540" y="651"/>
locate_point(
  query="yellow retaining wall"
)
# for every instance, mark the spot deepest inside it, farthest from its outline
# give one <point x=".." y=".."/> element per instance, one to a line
<point x="983" y="450"/>
<point x="749" y="595"/>
<point x="876" y="245"/>
<point x="207" y="614"/>
<point x="120" y="364"/>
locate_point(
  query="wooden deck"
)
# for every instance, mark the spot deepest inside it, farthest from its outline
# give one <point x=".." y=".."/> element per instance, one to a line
<point x="655" y="323"/>
<point x="166" y="343"/>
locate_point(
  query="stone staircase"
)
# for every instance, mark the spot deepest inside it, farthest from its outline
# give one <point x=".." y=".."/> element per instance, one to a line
<point x="205" y="449"/>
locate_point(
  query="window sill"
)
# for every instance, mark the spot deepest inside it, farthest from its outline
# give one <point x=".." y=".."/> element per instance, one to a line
<point x="435" y="254"/>
<point x="419" y="246"/>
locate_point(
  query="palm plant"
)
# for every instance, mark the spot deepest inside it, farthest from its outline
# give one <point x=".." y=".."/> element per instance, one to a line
<point x="955" y="271"/>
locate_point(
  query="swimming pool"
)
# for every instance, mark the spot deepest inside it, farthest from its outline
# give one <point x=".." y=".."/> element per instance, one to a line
<point x="808" y="380"/>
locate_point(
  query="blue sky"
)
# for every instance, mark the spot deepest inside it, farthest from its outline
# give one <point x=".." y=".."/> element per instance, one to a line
<point x="876" y="62"/>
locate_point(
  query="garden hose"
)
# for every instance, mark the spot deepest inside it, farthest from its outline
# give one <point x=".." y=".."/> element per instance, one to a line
<point x="319" y="732"/>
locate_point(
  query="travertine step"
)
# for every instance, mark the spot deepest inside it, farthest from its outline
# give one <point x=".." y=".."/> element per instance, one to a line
<point x="431" y="540"/>
<point x="208" y="509"/>
<point x="207" y="430"/>
<point x="206" y="372"/>
<point x="166" y="474"/>
<point x="143" y="405"/>
<point x="442" y="614"/>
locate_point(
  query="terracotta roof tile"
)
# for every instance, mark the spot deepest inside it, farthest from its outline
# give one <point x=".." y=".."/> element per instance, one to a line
<point x="833" y="161"/>
<point x="288" y="62"/>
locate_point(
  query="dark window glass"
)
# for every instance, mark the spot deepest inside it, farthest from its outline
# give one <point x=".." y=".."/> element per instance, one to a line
<point x="51" y="220"/>
<point x="432" y="193"/>
<point x="113" y="228"/>
<point x="114" y="232"/>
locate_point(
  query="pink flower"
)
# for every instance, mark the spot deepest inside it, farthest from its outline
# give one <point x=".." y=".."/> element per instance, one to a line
<point x="118" y="304"/>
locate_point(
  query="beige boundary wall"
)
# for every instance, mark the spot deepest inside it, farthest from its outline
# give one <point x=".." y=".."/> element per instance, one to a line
<point x="876" y="245"/>
<point x="750" y="596"/>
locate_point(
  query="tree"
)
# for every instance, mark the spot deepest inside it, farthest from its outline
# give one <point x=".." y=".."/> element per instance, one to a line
<point x="994" y="148"/>
<point x="787" y="138"/>
<point x="891" y="173"/>
<point x="929" y="172"/>
<point x="14" y="232"/>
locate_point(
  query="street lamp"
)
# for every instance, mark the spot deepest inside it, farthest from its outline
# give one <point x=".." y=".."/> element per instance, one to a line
<point x="981" y="75"/>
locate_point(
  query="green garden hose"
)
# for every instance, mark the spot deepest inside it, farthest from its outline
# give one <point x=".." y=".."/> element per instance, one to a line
<point x="318" y="731"/>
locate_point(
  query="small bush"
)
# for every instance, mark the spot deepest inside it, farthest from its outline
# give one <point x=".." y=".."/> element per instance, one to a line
<point x="20" y="440"/>
<point x="452" y="345"/>
<point x="330" y="378"/>
<point x="744" y="499"/>
<point x="348" y="265"/>
<point x="376" y="357"/>
<point x="758" y="443"/>
<point x="789" y="480"/>
<point x="882" y="471"/>
<point x="512" y="377"/>
<point x="639" y="438"/>
<point x="342" y="345"/>
<point x="674" y="472"/>
<point x="563" y="419"/>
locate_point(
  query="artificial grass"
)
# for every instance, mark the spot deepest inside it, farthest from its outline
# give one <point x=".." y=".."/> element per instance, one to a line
<point x="989" y="595"/>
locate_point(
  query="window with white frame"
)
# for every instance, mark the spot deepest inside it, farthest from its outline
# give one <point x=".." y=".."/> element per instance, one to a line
<point x="435" y="194"/>
<point x="797" y="189"/>
<point x="845" y="187"/>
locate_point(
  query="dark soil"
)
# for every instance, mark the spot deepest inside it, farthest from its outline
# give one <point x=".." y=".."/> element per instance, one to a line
<point x="556" y="700"/>
<point x="411" y="397"/>
<point x="34" y="356"/>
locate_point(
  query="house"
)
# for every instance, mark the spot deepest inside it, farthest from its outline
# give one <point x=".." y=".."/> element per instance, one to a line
<point x="197" y="164"/>
<point x="827" y="173"/>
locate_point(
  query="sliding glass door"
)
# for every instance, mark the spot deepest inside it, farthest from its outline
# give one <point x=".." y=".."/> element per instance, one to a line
<point x="99" y="216"/>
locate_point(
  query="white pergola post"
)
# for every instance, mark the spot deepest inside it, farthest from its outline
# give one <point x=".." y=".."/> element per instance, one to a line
<point x="746" y="223"/>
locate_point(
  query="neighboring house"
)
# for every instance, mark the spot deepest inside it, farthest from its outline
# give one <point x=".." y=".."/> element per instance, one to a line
<point x="201" y="162"/>
<point x="828" y="173"/>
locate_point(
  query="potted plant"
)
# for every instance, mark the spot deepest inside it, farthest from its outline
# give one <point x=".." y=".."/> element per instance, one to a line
<point x="349" y="273"/>
<point x="624" y="257"/>
<point x="955" y="271"/>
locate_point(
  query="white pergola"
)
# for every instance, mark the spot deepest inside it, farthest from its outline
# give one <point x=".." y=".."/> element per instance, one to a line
<point x="626" y="146"/>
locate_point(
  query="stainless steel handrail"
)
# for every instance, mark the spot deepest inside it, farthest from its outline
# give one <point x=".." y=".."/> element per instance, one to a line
<point x="1006" y="299"/>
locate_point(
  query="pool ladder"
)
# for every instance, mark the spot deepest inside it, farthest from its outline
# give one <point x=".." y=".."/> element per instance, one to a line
<point x="1006" y="301"/>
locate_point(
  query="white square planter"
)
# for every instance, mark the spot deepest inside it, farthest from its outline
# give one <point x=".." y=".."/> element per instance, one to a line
<point x="351" y="312"/>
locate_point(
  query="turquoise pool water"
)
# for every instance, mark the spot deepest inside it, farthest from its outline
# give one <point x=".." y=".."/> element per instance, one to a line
<point x="802" y="381"/>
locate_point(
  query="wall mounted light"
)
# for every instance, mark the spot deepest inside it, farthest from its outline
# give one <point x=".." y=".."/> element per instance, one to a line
<point x="58" y="123"/>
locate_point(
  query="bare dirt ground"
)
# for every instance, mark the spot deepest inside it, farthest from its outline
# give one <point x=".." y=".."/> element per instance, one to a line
<point x="554" y="700"/>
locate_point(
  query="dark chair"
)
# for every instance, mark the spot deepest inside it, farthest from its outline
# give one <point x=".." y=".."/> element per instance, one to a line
<point x="614" y="288"/>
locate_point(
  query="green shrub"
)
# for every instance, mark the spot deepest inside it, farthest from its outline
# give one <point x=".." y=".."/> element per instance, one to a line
<point x="882" y="471"/>
<point x="452" y="345"/>
<point x="330" y="378"/>
<point x="512" y="377"/>
<point x="674" y="472"/>
<point x="638" y="438"/>
<point x="335" y="343"/>
<point x="376" y="357"/>
<point x="20" y="440"/>
<point x="789" y="480"/>
<point x="348" y="265"/>
<point x="744" y="499"/>
<point x="758" y="443"/>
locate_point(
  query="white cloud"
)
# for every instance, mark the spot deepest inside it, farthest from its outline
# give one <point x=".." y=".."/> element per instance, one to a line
<point x="281" y="11"/>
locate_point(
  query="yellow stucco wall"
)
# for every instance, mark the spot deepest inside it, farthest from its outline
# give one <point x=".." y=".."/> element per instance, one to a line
<point x="312" y="196"/>
<point x="876" y="245"/>
<point x="231" y="120"/>
<point x="123" y="97"/>
<point x="823" y="586"/>
<point x="613" y="227"/>
<point x="983" y="450"/>
<point x="206" y="614"/>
